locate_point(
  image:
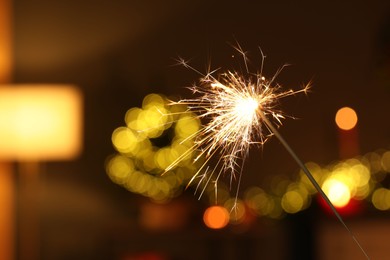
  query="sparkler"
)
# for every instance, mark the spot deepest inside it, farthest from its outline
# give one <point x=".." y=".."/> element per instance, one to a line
<point x="234" y="107"/>
<point x="238" y="109"/>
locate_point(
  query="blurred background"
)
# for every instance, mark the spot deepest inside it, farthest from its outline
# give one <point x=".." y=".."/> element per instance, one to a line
<point x="117" y="52"/>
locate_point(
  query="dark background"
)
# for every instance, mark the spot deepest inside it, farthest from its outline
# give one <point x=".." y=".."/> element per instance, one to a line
<point x="119" y="51"/>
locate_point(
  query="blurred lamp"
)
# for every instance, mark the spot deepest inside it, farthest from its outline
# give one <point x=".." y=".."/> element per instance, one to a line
<point x="37" y="123"/>
<point x="40" y="122"/>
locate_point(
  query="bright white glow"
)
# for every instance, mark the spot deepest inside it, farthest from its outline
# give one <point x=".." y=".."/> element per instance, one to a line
<point x="245" y="108"/>
<point x="338" y="192"/>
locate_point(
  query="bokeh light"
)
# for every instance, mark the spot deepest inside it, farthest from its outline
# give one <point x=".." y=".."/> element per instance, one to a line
<point x="385" y="161"/>
<point x="296" y="198"/>
<point x="337" y="191"/>
<point x="292" y="202"/>
<point x="152" y="139"/>
<point x="381" y="199"/>
<point x="346" y="118"/>
<point x="347" y="183"/>
<point x="237" y="210"/>
<point x="157" y="134"/>
<point x="259" y="201"/>
<point x="216" y="217"/>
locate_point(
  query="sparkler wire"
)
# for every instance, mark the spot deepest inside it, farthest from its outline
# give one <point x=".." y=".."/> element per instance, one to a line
<point x="311" y="178"/>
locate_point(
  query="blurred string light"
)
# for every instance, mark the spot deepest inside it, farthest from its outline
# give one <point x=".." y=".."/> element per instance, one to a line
<point x="361" y="179"/>
<point x="154" y="136"/>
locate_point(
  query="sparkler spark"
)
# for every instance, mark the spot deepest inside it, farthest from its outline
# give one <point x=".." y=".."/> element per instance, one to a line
<point x="237" y="107"/>
<point x="233" y="105"/>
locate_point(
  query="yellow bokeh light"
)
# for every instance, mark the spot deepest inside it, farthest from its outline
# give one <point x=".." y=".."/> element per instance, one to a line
<point x="346" y="118"/>
<point x="131" y="182"/>
<point x="144" y="153"/>
<point x="179" y="149"/>
<point x="237" y="210"/>
<point x="184" y="173"/>
<point x="381" y="199"/>
<point x="317" y="173"/>
<point x="352" y="174"/>
<point x="216" y="217"/>
<point x="149" y="163"/>
<point x="337" y="191"/>
<point x="385" y="161"/>
<point x="154" y="122"/>
<point x="292" y="201"/>
<point x="153" y="190"/>
<point x="131" y="117"/>
<point x="164" y="190"/>
<point x="362" y="192"/>
<point x="360" y="174"/>
<point x="374" y="161"/>
<point x="162" y="158"/>
<point x="259" y="201"/>
<point x="302" y="190"/>
<point x="153" y="100"/>
<point x="125" y="140"/>
<point x="218" y="194"/>
<point x="277" y="210"/>
<point x="119" y="168"/>
<point x="186" y="126"/>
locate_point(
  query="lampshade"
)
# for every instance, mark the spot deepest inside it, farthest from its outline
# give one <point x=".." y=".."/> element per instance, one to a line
<point x="40" y="122"/>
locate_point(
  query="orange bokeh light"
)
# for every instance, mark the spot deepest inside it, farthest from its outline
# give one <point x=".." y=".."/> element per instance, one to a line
<point x="346" y="118"/>
<point x="216" y="217"/>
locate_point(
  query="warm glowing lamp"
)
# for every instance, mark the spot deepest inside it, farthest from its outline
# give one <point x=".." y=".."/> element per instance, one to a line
<point x="37" y="123"/>
<point x="40" y="122"/>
